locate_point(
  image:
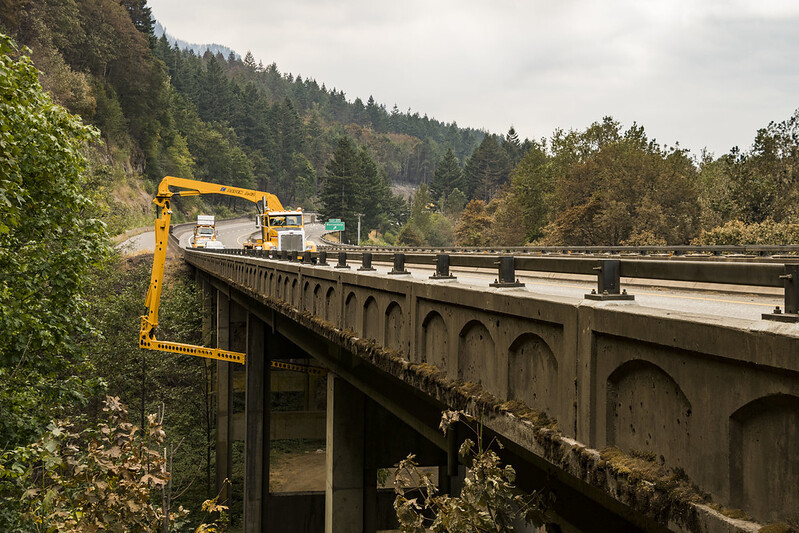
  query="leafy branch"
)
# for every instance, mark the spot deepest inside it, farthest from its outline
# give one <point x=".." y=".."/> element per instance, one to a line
<point x="488" y="502"/>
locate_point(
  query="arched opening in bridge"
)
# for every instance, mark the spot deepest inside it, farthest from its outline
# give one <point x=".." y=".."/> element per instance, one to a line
<point x="764" y="470"/>
<point x="371" y="323"/>
<point x="316" y="304"/>
<point x="434" y="347"/>
<point x="533" y="373"/>
<point x="647" y="410"/>
<point x="330" y="310"/>
<point x="307" y="297"/>
<point x="394" y="328"/>
<point x="350" y="312"/>
<point x="477" y="357"/>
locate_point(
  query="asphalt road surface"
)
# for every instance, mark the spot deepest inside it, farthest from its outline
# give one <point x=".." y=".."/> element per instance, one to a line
<point x="744" y="303"/>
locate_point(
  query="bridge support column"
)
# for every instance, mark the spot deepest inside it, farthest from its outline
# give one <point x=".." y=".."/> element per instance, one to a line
<point x="256" y="440"/>
<point x="344" y="484"/>
<point x="224" y="398"/>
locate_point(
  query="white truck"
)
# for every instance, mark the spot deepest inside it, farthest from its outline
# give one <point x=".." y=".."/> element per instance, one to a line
<point x="205" y="233"/>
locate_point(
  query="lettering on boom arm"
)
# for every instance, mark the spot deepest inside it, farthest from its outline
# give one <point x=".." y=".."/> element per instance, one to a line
<point x="242" y="192"/>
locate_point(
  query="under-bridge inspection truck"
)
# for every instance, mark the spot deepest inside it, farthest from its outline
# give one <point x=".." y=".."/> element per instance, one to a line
<point x="280" y="228"/>
<point x="205" y="233"/>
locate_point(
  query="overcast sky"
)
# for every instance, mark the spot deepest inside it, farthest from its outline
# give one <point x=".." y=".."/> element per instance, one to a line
<point x="704" y="73"/>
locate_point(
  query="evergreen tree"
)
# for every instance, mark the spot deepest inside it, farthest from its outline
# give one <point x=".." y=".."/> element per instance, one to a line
<point x="340" y="196"/>
<point x="215" y="95"/>
<point x="249" y="61"/>
<point x="374" y="192"/>
<point x="447" y="176"/>
<point x="512" y="147"/>
<point x="455" y="202"/>
<point x="141" y="15"/>
<point x="486" y="170"/>
<point x="377" y="115"/>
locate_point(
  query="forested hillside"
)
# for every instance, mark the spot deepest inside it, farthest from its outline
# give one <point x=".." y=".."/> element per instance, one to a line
<point x="162" y="110"/>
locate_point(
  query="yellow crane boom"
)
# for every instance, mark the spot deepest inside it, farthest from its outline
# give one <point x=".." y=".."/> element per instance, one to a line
<point x="149" y="322"/>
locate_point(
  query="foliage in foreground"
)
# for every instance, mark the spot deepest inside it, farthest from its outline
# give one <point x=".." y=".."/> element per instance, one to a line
<point x="489" y="500"/>
<point x="150" y="381"/>
<point x="49" y="241"/>
<point x="99" y="478"/>
<point x="92" y="479"/>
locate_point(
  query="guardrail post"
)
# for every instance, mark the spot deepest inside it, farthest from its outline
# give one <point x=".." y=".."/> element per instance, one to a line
<point x="322" y="259"/>
<point x="442" y="267"/>
<point x="791" y="282"/>
<point x="507" y="273"/>
<point x="609" y="282"/>
<point x="342" y="260"/>
<point x="399" y="264"/>
<point x="306" y="257"/>
<point x="366" y="262"/>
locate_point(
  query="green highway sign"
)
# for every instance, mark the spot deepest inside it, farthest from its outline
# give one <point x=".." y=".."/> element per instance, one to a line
<point x="334" y="220"/>
<point x="334" y="225"/>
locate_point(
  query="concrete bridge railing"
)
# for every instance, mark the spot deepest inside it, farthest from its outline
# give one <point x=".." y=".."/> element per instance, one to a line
<point x="717" y="399"/>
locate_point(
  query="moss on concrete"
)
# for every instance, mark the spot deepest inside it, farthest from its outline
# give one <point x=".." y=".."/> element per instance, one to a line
<point x="777" y="528"/>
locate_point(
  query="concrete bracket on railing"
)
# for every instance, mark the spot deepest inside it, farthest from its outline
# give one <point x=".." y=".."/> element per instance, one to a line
<point x="322" y="259"/>
<point x="342" y="260"/>
<point x="790" y="281"/>
<point x="507" y="274"/>
<point x="399" y="265"/>
<point x="442" y="267"/>
<point x="609" y="282"/>
<point x="366" y="263"/>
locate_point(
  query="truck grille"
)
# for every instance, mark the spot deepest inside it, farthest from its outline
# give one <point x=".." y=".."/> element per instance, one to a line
<point x="291" y="243"/>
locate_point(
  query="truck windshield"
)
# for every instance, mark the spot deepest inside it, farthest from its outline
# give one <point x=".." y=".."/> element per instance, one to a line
<point x="285" y="220"/>
<point x="205" y="231"/>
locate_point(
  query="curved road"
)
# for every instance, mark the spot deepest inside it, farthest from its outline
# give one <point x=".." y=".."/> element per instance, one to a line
<point x="744" y="302"/>
<point x="231" y="233"/>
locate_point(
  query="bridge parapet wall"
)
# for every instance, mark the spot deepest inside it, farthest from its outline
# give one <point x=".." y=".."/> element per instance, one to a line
<point x="716" y="398"/>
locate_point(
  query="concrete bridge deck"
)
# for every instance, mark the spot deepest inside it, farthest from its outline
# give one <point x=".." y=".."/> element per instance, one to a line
<point x="564" y="382"/>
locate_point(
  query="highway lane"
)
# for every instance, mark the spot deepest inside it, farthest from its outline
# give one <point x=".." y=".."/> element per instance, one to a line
<point x="747" y="304"/>
<point x="738" y="302"/>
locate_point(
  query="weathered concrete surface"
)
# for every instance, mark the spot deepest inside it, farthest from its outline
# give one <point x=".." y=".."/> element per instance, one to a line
<point x="224" y="392"/>
<point x="256" y="440"/>
<point x="716" y="399"/>
<point x="344" y="485"/>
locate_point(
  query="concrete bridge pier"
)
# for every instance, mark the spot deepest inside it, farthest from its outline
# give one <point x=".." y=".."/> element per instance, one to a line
<point x="224" y="398"/>
<point x="260" y="345"/>
<point x="346" y="475"/>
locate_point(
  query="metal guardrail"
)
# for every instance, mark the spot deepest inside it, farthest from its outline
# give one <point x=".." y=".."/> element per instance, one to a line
<point x="761" y="250"/>
<point x="608" y="271"/>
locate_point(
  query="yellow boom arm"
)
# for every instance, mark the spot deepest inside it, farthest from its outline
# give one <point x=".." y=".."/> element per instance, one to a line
<point x="149" y="321"/>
